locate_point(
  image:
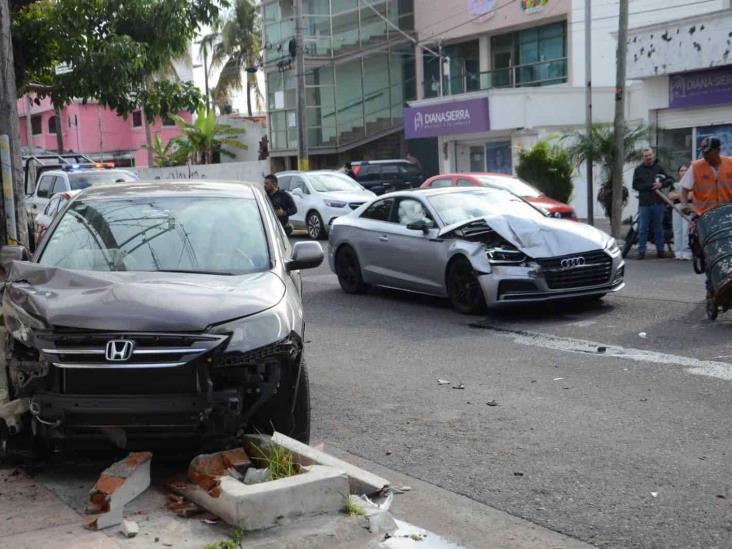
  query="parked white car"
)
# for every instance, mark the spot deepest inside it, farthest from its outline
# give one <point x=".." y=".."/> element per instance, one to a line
<point x="45" y="218"/>
<point x="321" y="197"/>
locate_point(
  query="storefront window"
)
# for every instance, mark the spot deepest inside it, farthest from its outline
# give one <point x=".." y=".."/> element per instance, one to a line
<point x="498" y="157"/>
<point x="675" y="147"/>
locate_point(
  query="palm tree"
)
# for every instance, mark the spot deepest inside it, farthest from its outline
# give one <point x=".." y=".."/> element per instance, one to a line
<point x="166" y="155"/>
<point x="238" y="50"/>
<point x="599" y="146"/>
<point x="205" y="136"/>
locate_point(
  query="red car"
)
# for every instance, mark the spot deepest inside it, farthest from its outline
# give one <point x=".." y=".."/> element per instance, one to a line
<point x="509" y="183"/>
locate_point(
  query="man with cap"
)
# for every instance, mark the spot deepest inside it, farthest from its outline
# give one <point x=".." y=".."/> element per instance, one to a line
<point x="710" y="179"/>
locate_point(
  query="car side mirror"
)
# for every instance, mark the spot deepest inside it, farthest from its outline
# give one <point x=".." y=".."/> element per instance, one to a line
<point x="421" y="225"/>
<point x="305" y="255"/>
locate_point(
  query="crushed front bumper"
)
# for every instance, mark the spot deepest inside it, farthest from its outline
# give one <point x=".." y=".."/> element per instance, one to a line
<point x="532" y="283"/>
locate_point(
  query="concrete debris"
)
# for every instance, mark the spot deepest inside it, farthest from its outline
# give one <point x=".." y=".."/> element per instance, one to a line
<point x="119" y="484"/>
<point x="459" y="386"/>
<point x="130" y="528"/>
<point x="360" y="481"/>
<point x="443" y="382"/>
<point x="255" y="476"/>
<point x="642" y="335"/>
<point x="206" y="470"/>
<point x="491" y="403"/>
<point x="182" y="507"/>
<point x="654" y="494"/>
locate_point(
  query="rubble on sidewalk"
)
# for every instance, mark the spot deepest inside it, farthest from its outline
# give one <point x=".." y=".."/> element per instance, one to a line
<point x="130" y="528"/>
<point x="119" y="484"/>
<point x="206" y="470"/>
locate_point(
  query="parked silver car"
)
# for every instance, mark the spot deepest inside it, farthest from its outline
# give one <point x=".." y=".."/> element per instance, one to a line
<point x="477" y="246"/>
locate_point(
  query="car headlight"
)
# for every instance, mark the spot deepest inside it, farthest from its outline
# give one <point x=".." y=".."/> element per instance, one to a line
<point x="505" y="255"/>
<point x="612" y="247"/>
<point x="335" y="204"/>
<point x="258" y="330"/>
<point x="558" y="215"/>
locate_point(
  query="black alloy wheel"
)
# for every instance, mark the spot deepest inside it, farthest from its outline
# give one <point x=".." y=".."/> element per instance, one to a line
<point x="464" y="289"/>
<point x="348" y="270"/>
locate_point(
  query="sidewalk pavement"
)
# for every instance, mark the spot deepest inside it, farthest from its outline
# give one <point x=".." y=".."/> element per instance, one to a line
<point x="47" y="511"/>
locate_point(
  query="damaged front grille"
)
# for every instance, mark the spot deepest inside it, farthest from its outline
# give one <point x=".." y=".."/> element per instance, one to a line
<point x="577" y="270"/>
<point x="125" y="351"/>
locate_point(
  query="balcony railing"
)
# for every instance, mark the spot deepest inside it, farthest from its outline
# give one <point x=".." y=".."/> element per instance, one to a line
<point x="541" y="73"/>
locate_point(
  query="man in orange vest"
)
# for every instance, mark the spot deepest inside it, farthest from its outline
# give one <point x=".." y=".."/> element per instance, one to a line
<point x="710" y="179"/>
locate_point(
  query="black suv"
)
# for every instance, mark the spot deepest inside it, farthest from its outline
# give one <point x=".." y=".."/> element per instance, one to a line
<point x="385" y="176"/>
<point x="157" y="311"/>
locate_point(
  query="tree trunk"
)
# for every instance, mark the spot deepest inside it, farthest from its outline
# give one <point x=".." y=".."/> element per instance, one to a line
<point x="148" y="140"/>
<point x="249" y="96"/>
<point x="619" y="165"/>
<point x="10" y="125"/>
<point x="59" y="131"/>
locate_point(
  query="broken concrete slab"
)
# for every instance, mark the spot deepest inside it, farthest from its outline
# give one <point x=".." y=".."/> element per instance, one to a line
<point x="130" y="528"/>
<point x="206" y="470"/>
<point x="120" y="483"/>
<point x="315" y="491"/>
<point x="113" y="517"/>
<point x="360" y="480"/>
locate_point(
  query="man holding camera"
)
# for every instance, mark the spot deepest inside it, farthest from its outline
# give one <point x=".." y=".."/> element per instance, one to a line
<point x="649" y="177"/>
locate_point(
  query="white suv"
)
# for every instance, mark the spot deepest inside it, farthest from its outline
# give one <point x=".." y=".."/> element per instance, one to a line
<point x="320" y="197"/>
<point x="72" y="178"/>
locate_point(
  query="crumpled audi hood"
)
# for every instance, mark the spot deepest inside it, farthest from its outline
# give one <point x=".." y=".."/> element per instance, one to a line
<point x="138" y="301"/>
<point x="542" y="237"/>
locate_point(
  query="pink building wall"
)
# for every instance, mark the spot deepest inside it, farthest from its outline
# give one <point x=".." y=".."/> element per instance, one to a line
<point x="94" y="130"/>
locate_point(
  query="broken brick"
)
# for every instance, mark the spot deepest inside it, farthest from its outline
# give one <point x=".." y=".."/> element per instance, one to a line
<point x="120" y="483"/>
<point x="182" y="507"/>
<point x="206" y="470"/>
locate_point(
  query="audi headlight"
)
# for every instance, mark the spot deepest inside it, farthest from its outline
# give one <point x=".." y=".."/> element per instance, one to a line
<point x="258" y="330"/>
<point x="505" y="255"/>
<point x="612" y="247"/>
<point x="335" y="204"/>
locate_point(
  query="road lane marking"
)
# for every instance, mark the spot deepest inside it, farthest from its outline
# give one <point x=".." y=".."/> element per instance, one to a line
<point x="710" y="368"/>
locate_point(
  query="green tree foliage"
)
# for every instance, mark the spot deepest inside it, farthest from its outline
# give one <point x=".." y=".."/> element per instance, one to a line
<point x="549" y="168"/>
<point x="166" y="155"/>
<point x="237" y="49"/>
<point x="205" y="136"/>
<point x="111" y="47"/>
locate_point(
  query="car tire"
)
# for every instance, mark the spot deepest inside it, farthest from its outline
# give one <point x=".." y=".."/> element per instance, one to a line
<point x="283" y="415"/>
<point x="348" y="270"/>
<point x="464" y="289"/>
<point x="314" y="226"/>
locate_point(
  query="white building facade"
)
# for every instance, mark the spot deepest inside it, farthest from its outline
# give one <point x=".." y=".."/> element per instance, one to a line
<point x="517" y="72"/>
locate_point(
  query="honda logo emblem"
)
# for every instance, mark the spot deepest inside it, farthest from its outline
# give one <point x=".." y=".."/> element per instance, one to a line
<point x="119" y="350"/>
<point x="571" y="262"/>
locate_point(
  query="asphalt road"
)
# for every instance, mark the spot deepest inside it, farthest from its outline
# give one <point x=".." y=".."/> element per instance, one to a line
<point x="615" y="438"/>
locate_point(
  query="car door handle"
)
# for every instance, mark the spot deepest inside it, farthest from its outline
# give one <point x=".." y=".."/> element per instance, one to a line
<point x="384" y="238"/>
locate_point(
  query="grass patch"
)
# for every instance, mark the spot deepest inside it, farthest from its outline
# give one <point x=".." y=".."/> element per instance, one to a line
<point x="237" y="536"/>
<point x="353" y="509"/>
<point x="279" y="462"/>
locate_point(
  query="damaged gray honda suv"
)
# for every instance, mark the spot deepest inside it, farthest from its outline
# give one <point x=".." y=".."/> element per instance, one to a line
<point x="157" y="311"/>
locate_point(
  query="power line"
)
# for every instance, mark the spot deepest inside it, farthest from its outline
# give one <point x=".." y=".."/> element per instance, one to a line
<point x="652" y="10"/>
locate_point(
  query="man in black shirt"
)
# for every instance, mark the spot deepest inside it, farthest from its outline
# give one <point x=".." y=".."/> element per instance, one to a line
<point x="647" y="178"/>
<point x="282" y="202"/>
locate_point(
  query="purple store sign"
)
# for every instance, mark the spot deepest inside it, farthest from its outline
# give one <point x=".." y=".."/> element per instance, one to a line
<point x="456" y="117"/>
<point x="700" y="88"/>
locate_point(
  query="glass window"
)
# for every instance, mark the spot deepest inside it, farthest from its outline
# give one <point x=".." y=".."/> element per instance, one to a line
<point x="296" y="182"/>
<point x="137" y="119"/>
<point x="45" y="185"/>
<point x="440" y="183"/>
<point x="168" y="234"/>
<point x="52" y="206"/>
<point x="411" y="211"/>
<point x="283" y="182"/>
<point x="465" y="183"/>
<point x="390" y="170"/>
<point x="379" y="211"/>
<point x="52" y="125"/>
<point x="467" y="205"/>
<point x="333" y="182"/>
<point x="345" y="31"/>
<point x="36" y="125"/>
<point x="373" y="25"/>
<point x="59" y="186"/>
<point x="82" y="180"/>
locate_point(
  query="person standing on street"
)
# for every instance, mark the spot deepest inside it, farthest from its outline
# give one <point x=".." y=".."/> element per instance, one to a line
<point x="682" y="250"/>
<point x="647" y="179"/>
<point x="710" y="179"/>
<point x="282" y="202"/>
<point x="348" y="170"/>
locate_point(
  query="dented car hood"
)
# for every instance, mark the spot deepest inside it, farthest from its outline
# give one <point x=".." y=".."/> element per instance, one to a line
<point x="542" y="236"/>
<point x="138" y="301"/>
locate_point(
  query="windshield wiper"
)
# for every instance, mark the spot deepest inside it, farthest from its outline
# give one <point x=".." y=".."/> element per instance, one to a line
<point x="192" y="272"/>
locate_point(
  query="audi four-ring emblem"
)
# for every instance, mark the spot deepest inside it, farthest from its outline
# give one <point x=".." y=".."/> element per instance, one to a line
<point x="571" y="262"/>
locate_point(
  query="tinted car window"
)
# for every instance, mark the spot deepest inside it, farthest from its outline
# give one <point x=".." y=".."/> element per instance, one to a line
<point x="59" y="186"/>
<point x="438" y="183"/>
<point x="411" y="170"/>
<point x="174" y="234"/>
<point x="45" y="185"/>
<point x="389" y="170"/>
<point x="465" y="183"/>
<point x="380" y="211"/>
<point x="283" y="182"/>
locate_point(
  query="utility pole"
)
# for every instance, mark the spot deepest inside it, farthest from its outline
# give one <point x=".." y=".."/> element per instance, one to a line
<point x="205" y="76"/>
<point x="617" y="202"/>
<point x="10" y="125"/>
<point x="442" y="69"/>
<point x="303" y="161"/>
<point x="588" y="110"/>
